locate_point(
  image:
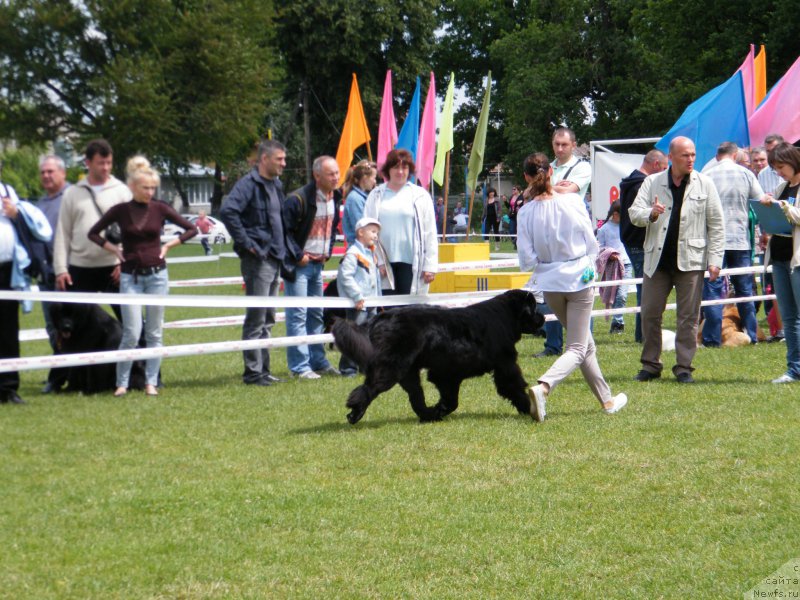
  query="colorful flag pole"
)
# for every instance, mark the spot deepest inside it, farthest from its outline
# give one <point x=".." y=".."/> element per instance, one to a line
<point x="747" y="69"/>
<point x="441" y="170"/>
<point x="387" y="129"/>
<point x="478" y="148"/>
<point x="354" y="133"/>
<point x="718" y="116"/>
<point x="409" y="133"/>
<point x="760" y="68"/>
<point x="426" y="153"/>
<point x="780" y="110"/>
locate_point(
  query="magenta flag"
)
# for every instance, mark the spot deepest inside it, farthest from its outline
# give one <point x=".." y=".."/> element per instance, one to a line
<point x="426" y="152"/>
<point x="387" y="128"/>
<point x="748" y="70"/>
<point x="780" y="110"/>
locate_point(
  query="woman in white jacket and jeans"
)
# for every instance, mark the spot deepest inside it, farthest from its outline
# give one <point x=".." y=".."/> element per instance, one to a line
<point x="408" y="226"/>
<point x="555" y="241"/>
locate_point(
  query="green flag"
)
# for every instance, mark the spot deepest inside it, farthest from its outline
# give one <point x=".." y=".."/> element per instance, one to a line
<point x="479" y="143"/>
<point x="445" y="133"/>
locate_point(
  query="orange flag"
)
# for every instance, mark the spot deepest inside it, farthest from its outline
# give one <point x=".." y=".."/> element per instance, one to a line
<point x="354" y="133"/>
<point x="760" y="64"/>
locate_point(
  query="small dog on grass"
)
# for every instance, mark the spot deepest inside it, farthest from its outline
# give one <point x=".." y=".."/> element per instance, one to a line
<point x="453" y="344"/>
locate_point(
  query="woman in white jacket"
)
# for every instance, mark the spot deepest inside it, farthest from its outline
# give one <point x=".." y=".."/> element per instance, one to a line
<point x="408" y="226"/>
<point x="555" y="240"/>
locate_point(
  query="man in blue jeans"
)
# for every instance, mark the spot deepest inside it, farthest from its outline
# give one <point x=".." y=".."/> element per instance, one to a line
<point x="736" y="185"/>
<point x="311" y="214"/>
<point x="632" y="237"/>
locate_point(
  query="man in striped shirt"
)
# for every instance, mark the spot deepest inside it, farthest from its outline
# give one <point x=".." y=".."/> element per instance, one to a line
<point x="736" y="186"/>
<point x="311" y="214"/>
<point x="768" y="178"/>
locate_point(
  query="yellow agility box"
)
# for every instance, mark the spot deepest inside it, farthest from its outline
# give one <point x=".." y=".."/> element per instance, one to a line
<point x="468" y="282"/>
<point x="454" y="253"/>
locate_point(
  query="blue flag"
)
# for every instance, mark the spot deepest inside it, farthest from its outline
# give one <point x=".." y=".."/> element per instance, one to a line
<point x="409" y="134"/>
<point x="718" y="116"/>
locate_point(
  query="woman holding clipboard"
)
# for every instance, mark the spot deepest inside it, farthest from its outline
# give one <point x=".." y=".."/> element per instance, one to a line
<point x="783" y="252"/>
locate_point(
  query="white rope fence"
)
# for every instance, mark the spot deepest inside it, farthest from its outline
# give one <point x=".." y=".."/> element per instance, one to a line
<point x="211" y="301"/>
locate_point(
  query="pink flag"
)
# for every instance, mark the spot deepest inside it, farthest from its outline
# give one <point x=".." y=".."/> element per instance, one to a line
<point x="426" y="152"/>
<point x="780" y="110"/>
<point x="749" y="81"/>
<point x="387" y="129"/>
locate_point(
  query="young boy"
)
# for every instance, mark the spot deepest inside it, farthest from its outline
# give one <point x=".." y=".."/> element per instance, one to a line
<point x="359" y="278"/>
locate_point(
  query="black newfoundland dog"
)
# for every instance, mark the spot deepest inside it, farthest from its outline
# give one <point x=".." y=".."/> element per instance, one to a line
<point x="453" y="344"/>
<point x="88" y="328"/>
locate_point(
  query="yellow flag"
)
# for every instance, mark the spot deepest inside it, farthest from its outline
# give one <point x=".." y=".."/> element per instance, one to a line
<point x="354" y="133"/>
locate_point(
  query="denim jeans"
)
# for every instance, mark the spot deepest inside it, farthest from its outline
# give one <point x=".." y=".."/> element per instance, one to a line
<point x="261" y="278"/>
<point x="637" y="263"/>
<point x="742" y="288"/>
<point x="787" y="292"/>
<point x="157" y="283"/>
<point x="305" y="321"/>
<point x="621" y="297"/>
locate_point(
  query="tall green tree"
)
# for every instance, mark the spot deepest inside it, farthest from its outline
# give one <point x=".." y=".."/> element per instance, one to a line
<point x="19" y="168"/>
<point x="606" y="68"/>
<point x="179" y="80"/>
<point x="322" y="43"/>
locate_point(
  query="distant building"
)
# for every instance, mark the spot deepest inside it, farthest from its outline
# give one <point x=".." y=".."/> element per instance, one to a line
<point x="197" y="183"/>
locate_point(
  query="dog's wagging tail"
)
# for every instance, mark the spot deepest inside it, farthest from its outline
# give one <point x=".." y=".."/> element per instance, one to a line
<point x="452" y="344"/>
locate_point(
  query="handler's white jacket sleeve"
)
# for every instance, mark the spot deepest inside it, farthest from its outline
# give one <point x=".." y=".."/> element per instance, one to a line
<point x="525" y="252"/>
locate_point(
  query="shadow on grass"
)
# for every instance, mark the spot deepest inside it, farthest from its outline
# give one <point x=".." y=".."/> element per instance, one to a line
<point x="367" y="424"/>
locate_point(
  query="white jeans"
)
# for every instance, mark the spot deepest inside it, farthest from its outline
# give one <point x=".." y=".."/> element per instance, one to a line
<point x="573" y="310"/>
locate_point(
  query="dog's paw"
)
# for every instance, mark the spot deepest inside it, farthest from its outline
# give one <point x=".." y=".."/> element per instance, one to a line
<point x="431" y="416"/>
<point x="354" y="416"/>
<point x="524" y="409"/>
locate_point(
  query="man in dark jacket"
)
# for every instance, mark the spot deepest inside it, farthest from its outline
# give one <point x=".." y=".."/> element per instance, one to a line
<point x="311" y="214"/>
<point x="253" y="215"/>
<point x="632" y="237"/>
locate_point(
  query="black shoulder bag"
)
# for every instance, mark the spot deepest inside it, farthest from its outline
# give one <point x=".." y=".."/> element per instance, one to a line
<point x="113" y="232"/>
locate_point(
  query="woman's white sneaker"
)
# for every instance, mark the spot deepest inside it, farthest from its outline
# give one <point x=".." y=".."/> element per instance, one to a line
<point x="538" y="401"/>
<point x="785" y="378"/>
<point x="617" y="403"/>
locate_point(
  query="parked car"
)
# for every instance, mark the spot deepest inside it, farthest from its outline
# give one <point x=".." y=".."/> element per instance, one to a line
<point x="218" y="234"/>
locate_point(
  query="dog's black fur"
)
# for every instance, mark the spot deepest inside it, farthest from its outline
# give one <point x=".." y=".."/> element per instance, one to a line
<point x="88" y="328"/>
<point x="453" y="344"/>
<point x="329" y="315"/>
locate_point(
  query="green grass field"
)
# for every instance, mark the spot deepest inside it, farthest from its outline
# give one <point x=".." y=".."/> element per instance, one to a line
<point x="217" y="490"/>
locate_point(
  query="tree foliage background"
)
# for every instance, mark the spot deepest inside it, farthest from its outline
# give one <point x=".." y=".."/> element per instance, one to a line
<point x="176" y="80"/>
<point x="201" y="80"/>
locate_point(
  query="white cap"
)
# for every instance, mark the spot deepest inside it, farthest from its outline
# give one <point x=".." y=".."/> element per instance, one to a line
<point x="364" y="221"/>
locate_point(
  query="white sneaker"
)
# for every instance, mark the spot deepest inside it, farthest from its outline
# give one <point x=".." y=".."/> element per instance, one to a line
<point x="308" y="375"/>
<point x="538" y="401"/>
<point x="785" y="378"/>
<point x="329" y="370"/>
<point x="617" y="403"/>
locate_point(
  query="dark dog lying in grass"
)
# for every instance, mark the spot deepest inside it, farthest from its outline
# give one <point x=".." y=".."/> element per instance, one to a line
<point x="453" y="344"/>
<point x="88" y="328"/>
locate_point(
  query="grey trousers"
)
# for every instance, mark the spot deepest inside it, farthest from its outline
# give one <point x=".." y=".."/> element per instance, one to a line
<point x="688" y="294"/>
<point x="261" y="278"/>
<point x="573" y="310"/>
